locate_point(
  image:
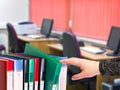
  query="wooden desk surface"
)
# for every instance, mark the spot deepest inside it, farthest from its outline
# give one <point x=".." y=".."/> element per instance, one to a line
<point x="28" y="39"/>
<point x="40" y="43"/>
<point x="85" y="54"/>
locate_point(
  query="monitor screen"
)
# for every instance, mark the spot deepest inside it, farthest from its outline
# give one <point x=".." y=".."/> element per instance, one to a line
<point x="46" y="27"/>
<point x="114" y="38"/>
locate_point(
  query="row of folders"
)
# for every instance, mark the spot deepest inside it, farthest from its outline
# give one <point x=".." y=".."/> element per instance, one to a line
<point x="32" y="70"/>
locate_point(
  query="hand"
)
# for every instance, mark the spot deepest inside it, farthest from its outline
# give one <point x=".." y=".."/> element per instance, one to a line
<point x="88" y="68"/>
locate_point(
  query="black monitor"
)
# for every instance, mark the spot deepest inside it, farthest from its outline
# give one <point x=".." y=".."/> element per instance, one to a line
<point x="46" y="27"/>
<point x="113" y="42"/>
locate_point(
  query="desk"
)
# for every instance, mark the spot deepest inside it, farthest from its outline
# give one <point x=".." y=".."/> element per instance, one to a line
<point x="58" y="47"/>
<point x="39" y="43"/>
<point x="54" y="48"/>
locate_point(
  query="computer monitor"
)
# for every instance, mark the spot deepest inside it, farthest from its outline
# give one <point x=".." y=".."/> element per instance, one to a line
<point x="46" y="27"/>
<point x="113" y="42"/>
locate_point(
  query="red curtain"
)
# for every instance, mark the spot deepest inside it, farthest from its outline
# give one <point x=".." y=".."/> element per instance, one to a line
<point x="55" y="9"/>
<point x="90" y="18"/>
<point x="94" y="18"/>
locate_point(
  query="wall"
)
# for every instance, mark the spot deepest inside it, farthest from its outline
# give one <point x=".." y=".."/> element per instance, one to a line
<point x="14" y="11"/>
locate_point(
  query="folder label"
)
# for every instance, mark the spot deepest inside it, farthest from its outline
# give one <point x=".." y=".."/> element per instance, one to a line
<point x="42" y="85"/>
<point x="55" y="87"/>
<point x="36" y="85"/>
<point x="10" y="80"/>
<point x="26" y="86"/>
<point x="31" y="86"/>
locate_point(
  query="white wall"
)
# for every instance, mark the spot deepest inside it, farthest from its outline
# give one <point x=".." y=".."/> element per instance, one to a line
<point x="14" y="11"/>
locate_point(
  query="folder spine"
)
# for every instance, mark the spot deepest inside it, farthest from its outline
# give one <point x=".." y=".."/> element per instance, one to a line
<point x="18" y="74"/>
<point x="31" y="74"/>
<point x="36" y="72"/>
<point x="42" y="75"/>
<point x="26" y="74"/>
<point x="10" y="74"/>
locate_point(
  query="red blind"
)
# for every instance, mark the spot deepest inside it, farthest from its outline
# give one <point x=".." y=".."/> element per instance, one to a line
<point x="55" y="9"/>
<point x="94" y="18"/>
<point x="90" y="18"/>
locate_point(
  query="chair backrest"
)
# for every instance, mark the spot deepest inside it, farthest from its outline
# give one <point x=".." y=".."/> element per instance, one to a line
<point x="70" y="45"/>
<point x="71" y="49"/>
<point x="13" y="39"/>
<point x="46" y="26"/>
<point x="2" y="48"/>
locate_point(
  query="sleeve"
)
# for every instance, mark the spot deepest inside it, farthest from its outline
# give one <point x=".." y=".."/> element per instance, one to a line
<point x="110" y="67"/>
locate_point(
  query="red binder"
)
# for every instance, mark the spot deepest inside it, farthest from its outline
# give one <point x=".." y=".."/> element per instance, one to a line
<point x="6" y="74"/>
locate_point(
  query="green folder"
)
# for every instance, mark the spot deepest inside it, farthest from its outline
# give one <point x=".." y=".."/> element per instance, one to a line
<point x="52" y="69"/>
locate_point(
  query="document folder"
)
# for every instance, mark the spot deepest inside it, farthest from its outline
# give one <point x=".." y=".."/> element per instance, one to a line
<point x="28" y="71"/>
<point x="52" y="69"/>
<point x="6" y="74"/>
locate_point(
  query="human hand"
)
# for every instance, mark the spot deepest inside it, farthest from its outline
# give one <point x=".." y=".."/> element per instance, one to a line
<point x="88" y="68"/>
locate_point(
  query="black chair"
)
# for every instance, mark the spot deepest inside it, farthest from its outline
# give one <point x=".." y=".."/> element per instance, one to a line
<point x="46" y="26"/>
<point x="2" y="48"/>
<point x="71" y="49"/>
<point x="15" y="45"/>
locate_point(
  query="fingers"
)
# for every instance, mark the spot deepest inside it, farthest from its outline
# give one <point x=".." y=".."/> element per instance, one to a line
<point x="65" y="61"/>
<point x="88" y="68"/>
<point x="72" y="61"/>
<point x="78" y="76"/>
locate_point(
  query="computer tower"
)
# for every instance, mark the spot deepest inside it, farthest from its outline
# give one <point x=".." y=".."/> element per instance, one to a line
<point x="110" y="86"/>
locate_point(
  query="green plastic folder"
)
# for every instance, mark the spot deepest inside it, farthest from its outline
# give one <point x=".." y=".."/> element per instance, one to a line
<point x="52" y="69"/>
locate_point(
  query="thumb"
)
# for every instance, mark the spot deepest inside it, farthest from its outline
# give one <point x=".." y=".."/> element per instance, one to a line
<point x="78" y="76"/>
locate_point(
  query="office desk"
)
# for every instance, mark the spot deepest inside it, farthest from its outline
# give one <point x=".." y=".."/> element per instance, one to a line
<point x="54" y="48"/>
<point x="39" y="43"/>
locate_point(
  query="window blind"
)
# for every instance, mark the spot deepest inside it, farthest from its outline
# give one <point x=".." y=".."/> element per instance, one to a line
<point x="55" y="9"/>
<point x="90" y="18"/>
<point x="94" y="18"/>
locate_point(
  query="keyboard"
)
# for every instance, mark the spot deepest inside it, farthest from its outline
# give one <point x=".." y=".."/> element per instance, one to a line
<point x="36" y="36"/>
<point x="93" y="50"/>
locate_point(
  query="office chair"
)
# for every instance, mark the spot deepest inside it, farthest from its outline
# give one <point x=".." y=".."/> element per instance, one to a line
<point x="2" y="48"/>
<point x="71" y="49"/>
<point x="46" y="26"/>
<point x="15" y="45"/>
